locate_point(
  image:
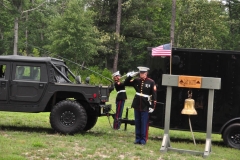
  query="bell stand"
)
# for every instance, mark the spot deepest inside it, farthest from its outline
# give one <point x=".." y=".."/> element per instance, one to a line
<point x="189" y="81"/>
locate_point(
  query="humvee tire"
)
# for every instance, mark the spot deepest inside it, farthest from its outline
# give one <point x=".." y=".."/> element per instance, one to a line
<point x="231" y="136"/>
<point x="68" y="117"/>
<point x="92" y="120"/>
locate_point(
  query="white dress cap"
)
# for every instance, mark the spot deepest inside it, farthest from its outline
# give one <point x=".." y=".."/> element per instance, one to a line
<point x="143" y="69"/>
<point x="116" y="74"/>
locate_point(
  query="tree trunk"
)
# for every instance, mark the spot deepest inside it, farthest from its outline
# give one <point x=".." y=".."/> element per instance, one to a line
<point x="119" y="12"/>
<point x="173" y="22"/>
<point x="15" y="45"/>
<point x="18" y="4"/>
<point x="42" y="34"/>
<point x="26" y="35"/>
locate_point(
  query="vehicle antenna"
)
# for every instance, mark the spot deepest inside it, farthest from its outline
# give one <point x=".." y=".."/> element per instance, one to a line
<point x="86" y="68"/>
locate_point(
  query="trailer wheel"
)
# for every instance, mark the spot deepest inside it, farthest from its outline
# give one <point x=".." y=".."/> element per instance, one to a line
<point x="68" y="117"/>
<point x="231" y="136"/>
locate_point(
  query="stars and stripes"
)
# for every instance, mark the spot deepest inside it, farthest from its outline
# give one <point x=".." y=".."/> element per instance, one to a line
<point x="163" y="50"/>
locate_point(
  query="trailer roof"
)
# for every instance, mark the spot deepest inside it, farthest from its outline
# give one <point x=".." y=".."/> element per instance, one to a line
<point x="174" y="49"/>
<point x="205" y="50"/>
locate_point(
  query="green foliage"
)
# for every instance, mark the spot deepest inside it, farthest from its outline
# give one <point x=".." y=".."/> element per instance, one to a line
<point x="97" y="75"/>
<point x="139" y="23"/>
<point x="22" y="52"/>
<point x="108" y="74"/>
<point x="233" y="39"/>
<point x="94" y="80"/>
<point x="6" y="29"/>
<point x="73" y="35"/>
<point x="197" y="28"/>
<point x="84" y="30"/>
<point x="36" y="52"/>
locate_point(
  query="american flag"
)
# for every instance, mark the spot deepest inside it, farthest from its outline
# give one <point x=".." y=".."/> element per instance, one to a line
<point x="163" y="50"/>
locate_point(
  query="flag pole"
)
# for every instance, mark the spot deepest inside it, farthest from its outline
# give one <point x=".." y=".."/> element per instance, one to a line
<point x="171" y="58"/>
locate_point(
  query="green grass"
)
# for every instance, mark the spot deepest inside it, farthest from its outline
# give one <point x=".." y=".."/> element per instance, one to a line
<point x="29" y="136"/>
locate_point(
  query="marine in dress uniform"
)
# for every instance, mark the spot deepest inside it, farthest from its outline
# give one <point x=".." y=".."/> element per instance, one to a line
<point x="120" y="99"/>
<point x="143" y="103"/>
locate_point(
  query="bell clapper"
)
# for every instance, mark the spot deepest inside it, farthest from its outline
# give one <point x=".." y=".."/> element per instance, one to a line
<point x="190" y="125"/>
<point x="191" y="130"/>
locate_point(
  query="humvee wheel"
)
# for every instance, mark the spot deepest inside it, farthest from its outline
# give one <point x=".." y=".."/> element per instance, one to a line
<point x="68" y="117"/>
<point x="92" y="120"/>
<point x="231" y="136"/>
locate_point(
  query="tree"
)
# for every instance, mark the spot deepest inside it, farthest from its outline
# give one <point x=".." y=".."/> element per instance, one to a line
<point x="233" y="8"/>
<point x="32" y="24"/>
<point x="105" y="19"/>
<point x="18" y="5"/>
<point x="198" y="28"/>
<point x="6" y="26"/>
<point x="145" y="24"/>
<point x="73" y="35"/>
<point x="118" y="24"/>
<point x="172" y="29"/>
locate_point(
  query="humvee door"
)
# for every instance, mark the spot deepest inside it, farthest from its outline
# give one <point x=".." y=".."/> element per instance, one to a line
<point x="28" y="82"/>
<point x="4" y="77"/>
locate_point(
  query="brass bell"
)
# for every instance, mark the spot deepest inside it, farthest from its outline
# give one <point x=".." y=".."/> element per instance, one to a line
<point x="189" y="105"/>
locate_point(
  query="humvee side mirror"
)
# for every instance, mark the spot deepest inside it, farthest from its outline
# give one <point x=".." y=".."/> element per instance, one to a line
<point x="78" y="79"/>
<point x="87" y="80"/>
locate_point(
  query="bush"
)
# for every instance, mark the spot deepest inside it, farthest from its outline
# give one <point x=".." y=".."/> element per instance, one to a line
<point x="96" y="75"/>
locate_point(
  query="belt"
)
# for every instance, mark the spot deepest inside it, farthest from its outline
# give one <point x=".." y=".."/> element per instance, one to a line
<point x="143" y="95"/>
<point x="121" y="91"/>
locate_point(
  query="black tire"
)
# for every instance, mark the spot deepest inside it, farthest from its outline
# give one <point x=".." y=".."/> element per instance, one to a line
<point x="231" y="136"/>
<point x="91" y="122"/>
<point x="68" y="117"/>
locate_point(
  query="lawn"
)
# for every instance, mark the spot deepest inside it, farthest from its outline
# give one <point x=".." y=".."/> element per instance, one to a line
<point x="28" y="136"/>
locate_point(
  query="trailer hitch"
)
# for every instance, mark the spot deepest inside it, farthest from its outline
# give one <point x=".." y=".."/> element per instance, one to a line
<point x="126" y="120"/>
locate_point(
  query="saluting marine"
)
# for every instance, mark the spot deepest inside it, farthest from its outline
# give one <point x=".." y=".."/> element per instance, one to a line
<point x="120" y="99"/>
<point x="143" y="103"/>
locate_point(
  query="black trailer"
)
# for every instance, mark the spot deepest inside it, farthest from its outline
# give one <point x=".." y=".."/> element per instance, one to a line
<point x="206" y="63"/>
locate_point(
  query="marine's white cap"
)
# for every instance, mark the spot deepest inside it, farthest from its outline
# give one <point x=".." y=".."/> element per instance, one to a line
<point x="143" y="69"/>
<point x="116" y="74"/>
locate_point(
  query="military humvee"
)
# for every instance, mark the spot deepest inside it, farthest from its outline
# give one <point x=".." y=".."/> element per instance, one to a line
<point x="42" y="84"/>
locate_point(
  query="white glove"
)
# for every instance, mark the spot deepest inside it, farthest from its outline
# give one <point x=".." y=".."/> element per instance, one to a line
<point x="150" y="110"/>
<point x="133" y="74"/>
<point x="129" y="74"/>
